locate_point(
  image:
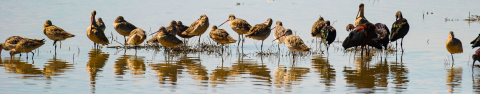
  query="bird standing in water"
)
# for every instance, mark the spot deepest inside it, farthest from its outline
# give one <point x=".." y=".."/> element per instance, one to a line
<point x="279" y="31"/>
<point x="453" y="45"/>
<point x="221" y="36"/>
<point x="181" y="29"/>
<point x="198" y="27"/>
<point x="136" y="37"/>
<point x="294" y="42"/>
<point x="317" y="28"/>
<point x="383" y="35"/>
<point x="165" y="39"/>
<point x="328" y="34"/>
<point x="399" y="29"/>
<point x="238" y="25"/>
<point x="95" y="32"/>
<point x="260" y="32"/>
<point x="123" y="27"/>
<point x="55" y="33"/>
<point x="27" y="45"/>
<point x="11" y="42"/>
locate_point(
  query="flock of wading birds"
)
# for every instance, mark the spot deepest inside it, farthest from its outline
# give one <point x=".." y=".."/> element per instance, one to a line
<point x="363" y="34"/>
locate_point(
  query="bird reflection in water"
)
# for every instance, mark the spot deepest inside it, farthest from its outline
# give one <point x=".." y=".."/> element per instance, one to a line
<point x="15" y="65"/>
<point x="285" y="77"/>
<point x="219" y="75"/>
<point x="454" y="79"/>
<point x="167" y="72"/>
<point x="257" y="71"/>
<point x="367" y="78"/>
<point x="476" y="80"/>
<point x="194" y="67"/>
<point x="399" y="73"/>
<point x="137" y="65"/>
<point x="96" y="61"/>
<point x="56" y="66"/>
<point x="327" y="71"/>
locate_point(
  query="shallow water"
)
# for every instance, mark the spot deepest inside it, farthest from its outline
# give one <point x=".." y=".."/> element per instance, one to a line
<point x="76" y="67"/>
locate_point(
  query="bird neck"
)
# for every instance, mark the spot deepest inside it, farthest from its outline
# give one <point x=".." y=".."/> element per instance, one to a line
<point x="361" y="14"/>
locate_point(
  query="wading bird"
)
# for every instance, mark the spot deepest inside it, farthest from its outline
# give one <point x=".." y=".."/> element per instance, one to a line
<point x="260" y="32"/>
<point x="95" y="32"/>
<point x="221" y="36"/>
<point x="399" y="29"/>
<point x="198" y="27"/>
<point x="165" y="38"/>
<point x="181" y="29"/>
<point x="279" y="31"/>
<point x="123" y="27"/>
<point x="453" y="45"/>
<point x="55" y="33"/>
<point x="27" y="45"/>
<point x="294" y="42"/>
<point x="136" y="37"/>
<point x="328" y="34"/>
<point x="238" y="25"/>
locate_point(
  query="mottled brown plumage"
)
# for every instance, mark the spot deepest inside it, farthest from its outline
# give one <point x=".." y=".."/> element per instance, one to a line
<point x="95" y="32"/>
<point x="100" y="24"/>
<point x="137" y="36"/>
<point x="260" y="31"/>
<point x="11" y="42"/>
<point x="172" y="28"/>
<point x="317" y="27"/>
<point x="198" y="27"/>
<point x="27" y="45"/>
<point x="55" y="33"/>
<point x="294" y="42"/>
<point x="278" y="31"/>
<point x="221" y="36"/>
<point x="360" y="16"/>
<point x="122" y="26"/>
<point x="239" y="25"/>
<point x="181" y="29"/>
<point x="166" y="39"/>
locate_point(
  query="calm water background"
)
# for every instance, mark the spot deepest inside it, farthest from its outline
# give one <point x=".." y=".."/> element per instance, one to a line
<point x="77" y="68"/>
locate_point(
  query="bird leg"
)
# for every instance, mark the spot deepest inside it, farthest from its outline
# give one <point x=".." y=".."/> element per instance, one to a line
<point x="473" y="65"/>
<point x="278" y="45"/>
<point x="199" y="39"/>
<point x="401" y="45"/>
<point x="261" y="47"/>
<point x="243" y="41"/>
<point x="33" y="54"/>
<point x="125" y="39"/>
<point x="54" y="44"/>
<point x="239" y="40"/>
<point x="452" y="58"/>
<point x="396" y="44"/>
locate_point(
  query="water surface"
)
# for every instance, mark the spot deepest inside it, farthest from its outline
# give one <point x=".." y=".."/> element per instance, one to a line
<point x="76" y="67"/>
